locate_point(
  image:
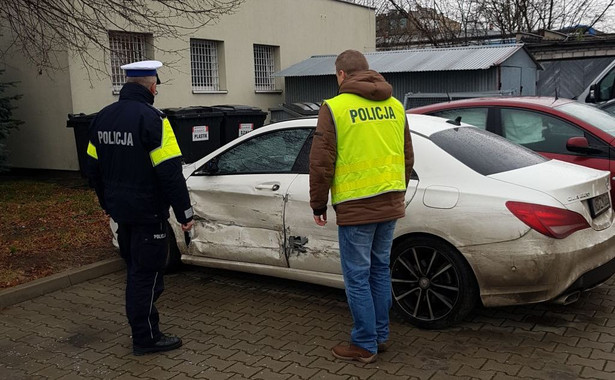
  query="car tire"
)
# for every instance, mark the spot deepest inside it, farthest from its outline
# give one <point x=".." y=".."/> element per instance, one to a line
<point x="432" y="284"/>
<point x="174" y="262"/>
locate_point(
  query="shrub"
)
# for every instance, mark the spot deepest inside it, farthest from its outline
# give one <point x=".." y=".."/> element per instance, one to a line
<point x="7" y="123"/>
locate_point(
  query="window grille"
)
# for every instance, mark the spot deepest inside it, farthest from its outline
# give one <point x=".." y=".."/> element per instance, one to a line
<point x="204" y="65"/>
<point x="264" y="67"/>
<point x="125" y="48"/>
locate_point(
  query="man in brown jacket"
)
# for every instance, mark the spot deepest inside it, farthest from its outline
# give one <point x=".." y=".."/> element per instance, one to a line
<point x="362" y="152"/>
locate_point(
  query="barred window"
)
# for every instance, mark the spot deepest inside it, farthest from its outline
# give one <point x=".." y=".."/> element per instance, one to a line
<point x="204" y="65"/>
<point x="264" y="67"/>
<point x="125" y="48"/>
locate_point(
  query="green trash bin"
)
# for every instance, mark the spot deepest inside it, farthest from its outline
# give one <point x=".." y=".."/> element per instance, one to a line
<point x="197" y="129"/>
<point x="80" y="124"/>
<point x="239" y="120"/>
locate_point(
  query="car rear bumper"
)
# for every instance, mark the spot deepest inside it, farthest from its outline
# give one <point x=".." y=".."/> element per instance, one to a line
<point x="589" y="280"/>
<point x="535" y="268"/>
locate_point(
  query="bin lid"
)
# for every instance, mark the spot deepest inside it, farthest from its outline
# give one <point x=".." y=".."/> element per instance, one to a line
<point x="239" y="109"/>
<point x="75" y="119"/>
<point x="192" y="111"/>
<point x="81" y="115"/>
<point x="304" y="108"/>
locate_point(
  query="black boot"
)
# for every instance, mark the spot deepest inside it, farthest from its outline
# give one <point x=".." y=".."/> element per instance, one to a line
<point x="165" y="343"/>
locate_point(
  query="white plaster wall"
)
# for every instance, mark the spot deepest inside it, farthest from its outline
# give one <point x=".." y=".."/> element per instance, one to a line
<point x="300" y="28"/>
<point x="43" y="141"/>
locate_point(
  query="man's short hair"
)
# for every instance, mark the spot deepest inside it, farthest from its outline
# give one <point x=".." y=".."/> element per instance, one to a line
<point x="143" y="81"/>
<point x="350" y="61"/>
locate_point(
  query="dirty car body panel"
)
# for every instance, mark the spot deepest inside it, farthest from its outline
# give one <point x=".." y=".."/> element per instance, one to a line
<point x="458" y="241"/>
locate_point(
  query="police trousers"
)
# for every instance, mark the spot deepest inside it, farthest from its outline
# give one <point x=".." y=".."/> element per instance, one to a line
<point x="145" y="248"/>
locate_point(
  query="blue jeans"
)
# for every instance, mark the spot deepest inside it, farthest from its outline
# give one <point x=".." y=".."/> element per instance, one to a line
<point x="365" y="252"/>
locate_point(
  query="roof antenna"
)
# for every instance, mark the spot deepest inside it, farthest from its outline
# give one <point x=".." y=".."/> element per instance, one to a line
<point x="457" y="121"/>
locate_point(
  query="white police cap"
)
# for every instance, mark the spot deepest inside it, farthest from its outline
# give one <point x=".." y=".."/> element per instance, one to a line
<point x="143" y="69"/>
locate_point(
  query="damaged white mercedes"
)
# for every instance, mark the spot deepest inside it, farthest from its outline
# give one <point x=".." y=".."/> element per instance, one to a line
<point x="486" y="220"/>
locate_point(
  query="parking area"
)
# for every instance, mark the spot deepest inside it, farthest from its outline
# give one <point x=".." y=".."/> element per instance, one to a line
<point x="238" y="326"/>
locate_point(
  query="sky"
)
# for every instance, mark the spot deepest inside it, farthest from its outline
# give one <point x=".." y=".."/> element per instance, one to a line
<point x="607" y="25"/>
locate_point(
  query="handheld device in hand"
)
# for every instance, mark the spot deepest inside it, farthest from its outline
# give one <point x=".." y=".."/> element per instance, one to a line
<point x="187" y="237"/>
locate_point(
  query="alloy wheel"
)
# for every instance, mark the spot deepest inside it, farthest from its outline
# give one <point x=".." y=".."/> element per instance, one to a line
<point x="425" y="283"/>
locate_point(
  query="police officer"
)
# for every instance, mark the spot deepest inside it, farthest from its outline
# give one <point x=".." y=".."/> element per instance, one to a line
<point x="362" y="153"/>
<point x="134" y="164"/>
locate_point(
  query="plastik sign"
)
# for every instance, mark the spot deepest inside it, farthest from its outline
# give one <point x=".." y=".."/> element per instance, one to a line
<point x="245" y="128"/>
<point x="200" y="133"/>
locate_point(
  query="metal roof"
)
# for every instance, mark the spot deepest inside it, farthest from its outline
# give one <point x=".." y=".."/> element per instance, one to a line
<point x="353" y="3"/>
<point x="415" y="60"/>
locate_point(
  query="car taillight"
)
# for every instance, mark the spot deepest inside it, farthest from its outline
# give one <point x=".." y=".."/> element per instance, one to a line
<point x="550" y="221"/>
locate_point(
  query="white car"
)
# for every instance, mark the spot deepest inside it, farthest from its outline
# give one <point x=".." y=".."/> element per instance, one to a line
<point x="486" y="220"/>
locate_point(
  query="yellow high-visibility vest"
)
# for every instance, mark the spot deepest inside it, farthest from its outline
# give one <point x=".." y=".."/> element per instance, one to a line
<point x="370" y="147"/>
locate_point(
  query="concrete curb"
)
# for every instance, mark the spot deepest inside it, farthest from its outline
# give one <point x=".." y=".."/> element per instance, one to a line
<point x="59" y="281"/>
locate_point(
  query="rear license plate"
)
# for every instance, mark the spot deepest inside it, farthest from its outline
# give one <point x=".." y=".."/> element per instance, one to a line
<point x="599" y="204"/>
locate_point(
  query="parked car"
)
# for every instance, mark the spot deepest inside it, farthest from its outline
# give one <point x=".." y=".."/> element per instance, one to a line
<point x="601" y="88"/>
<point x="608" y="106"/>
<point x="556" y="128"/>
<point x="487" y="220"/>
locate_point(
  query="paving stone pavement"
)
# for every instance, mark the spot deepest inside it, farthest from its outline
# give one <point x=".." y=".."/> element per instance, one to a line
<point x="238" y="326"/>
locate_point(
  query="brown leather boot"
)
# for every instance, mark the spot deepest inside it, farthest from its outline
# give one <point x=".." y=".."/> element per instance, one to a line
<point x="349" y="351"/>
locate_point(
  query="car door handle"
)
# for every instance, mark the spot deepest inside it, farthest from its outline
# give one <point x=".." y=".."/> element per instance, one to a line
<point x="268" y="186"/>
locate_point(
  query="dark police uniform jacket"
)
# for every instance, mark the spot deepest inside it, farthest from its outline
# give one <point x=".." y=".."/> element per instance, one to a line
<point x="134" y="162"/>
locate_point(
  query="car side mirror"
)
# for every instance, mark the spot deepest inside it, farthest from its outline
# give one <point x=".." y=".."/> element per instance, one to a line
<point x="210" y="168"/>
<point x="591" y="95"/>
<point x="580" y="144"/>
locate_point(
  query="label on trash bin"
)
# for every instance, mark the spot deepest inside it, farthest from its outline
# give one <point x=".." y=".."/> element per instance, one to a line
<point x="245" y="128"/>
<point x="200" y="133"/>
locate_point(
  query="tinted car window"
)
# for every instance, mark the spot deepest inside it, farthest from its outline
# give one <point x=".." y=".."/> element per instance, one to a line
<point x="485" y="152"/>
<point x="591" y="115"/>
<point x="538" y="131"/>
<point x="302" y="164"/>
<point x="605" y="87"/>
<point x="274" y="152"/>
<point x="609" y="107"/>
<point x="475" y="116"/>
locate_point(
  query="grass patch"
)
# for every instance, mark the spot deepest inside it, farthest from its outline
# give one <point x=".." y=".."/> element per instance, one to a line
<point x="47" y="227"/>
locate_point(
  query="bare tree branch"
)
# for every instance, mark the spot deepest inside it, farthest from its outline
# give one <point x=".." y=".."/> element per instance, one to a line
<point x="601" y="16"/>
<point x="442" y="22"/>
<point x="44" y="29"/>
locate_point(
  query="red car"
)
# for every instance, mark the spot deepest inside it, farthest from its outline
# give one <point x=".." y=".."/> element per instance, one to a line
<point x="556" y="128"/>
